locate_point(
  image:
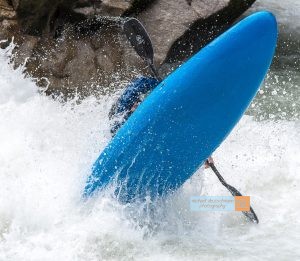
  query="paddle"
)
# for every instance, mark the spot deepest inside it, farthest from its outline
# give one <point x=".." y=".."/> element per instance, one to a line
<point x="141" y="42"/>
<point x="234" y="192"/>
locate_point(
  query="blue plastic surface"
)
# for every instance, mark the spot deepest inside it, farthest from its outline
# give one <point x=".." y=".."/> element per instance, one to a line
<point x="188" y="115"/>
<point x="121" y="111"/>
<point x="139" y="86"/>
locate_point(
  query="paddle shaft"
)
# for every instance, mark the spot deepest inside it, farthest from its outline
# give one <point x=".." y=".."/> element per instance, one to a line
<point x="154" y="71"/>
<point x="234" y="192"/>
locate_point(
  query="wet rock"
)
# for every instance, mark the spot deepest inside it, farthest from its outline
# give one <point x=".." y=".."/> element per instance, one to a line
<point x="79" y="47"/>
<point x="38" y="17"/>
<point x="8" y="23"/>
<point x="15" y="4"/>
<point x="81" y="64"/>
<point x="205" y="29"/>
<point x="7" y="12"/>
<point x="112" y="7"/>
<point x="180" y="28"/>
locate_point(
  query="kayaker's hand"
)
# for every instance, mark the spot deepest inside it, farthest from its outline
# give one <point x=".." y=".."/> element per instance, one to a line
<point x="210" y="160"/>
<point x="134" y="106"/>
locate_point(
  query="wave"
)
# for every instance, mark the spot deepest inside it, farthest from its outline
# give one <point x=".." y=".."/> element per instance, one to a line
<point x="47" y="148"/>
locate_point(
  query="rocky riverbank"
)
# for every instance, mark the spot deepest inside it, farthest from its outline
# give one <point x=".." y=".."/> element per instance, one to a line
<point x="78" y="46"/>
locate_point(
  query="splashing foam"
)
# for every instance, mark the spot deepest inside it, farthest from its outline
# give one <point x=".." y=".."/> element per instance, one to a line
<point x="46" y="151"/>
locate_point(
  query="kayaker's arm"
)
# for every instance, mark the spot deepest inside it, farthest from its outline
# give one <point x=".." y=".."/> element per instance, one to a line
<point x="133" y="95"/>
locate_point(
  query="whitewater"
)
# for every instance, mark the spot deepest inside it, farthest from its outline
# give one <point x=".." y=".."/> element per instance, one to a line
<point x="47" y="147"/>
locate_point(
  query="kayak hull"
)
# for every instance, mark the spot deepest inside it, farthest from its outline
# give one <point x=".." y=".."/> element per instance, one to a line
<point x="188" y="115"/>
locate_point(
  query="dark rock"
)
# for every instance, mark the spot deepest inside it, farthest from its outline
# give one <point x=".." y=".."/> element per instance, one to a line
<point x="81" y="63"/>
<point x="8" y="23"/>
<point x="137" y="7"/>
<point x="39" y="17"/>
<point x="79" y="47"/>
<point x="104" y="7"/>
<point x="180" y="28"/>
<point x="15" y="4"/>
<point x="205" y="29"/>
<point x="7" y="12"/>
<point x="112" y="7"/>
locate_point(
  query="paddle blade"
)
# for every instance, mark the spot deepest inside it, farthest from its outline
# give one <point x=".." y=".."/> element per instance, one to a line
<point x="234" y="192"/>
<point x="139" y="39"/>
<point x="249" y="214"/>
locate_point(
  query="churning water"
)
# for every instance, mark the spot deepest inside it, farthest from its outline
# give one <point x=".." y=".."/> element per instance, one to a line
<point x="47" y="148"/>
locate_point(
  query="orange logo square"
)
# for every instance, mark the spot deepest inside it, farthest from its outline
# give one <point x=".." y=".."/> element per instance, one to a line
<point x="242" y="203"/>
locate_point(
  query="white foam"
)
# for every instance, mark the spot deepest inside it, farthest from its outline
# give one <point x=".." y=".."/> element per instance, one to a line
<point x="48" y="147"/>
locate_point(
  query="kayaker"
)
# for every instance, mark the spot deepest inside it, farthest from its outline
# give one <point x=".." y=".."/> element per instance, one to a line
<point x="133" y="95"/>
<point x="130" y="99"/>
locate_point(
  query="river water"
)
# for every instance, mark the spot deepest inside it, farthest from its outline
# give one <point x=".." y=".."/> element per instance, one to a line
<point x="47" y="148"/>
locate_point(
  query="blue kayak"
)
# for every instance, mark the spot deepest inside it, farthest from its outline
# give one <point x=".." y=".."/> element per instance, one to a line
<point x="188" y="115"/>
